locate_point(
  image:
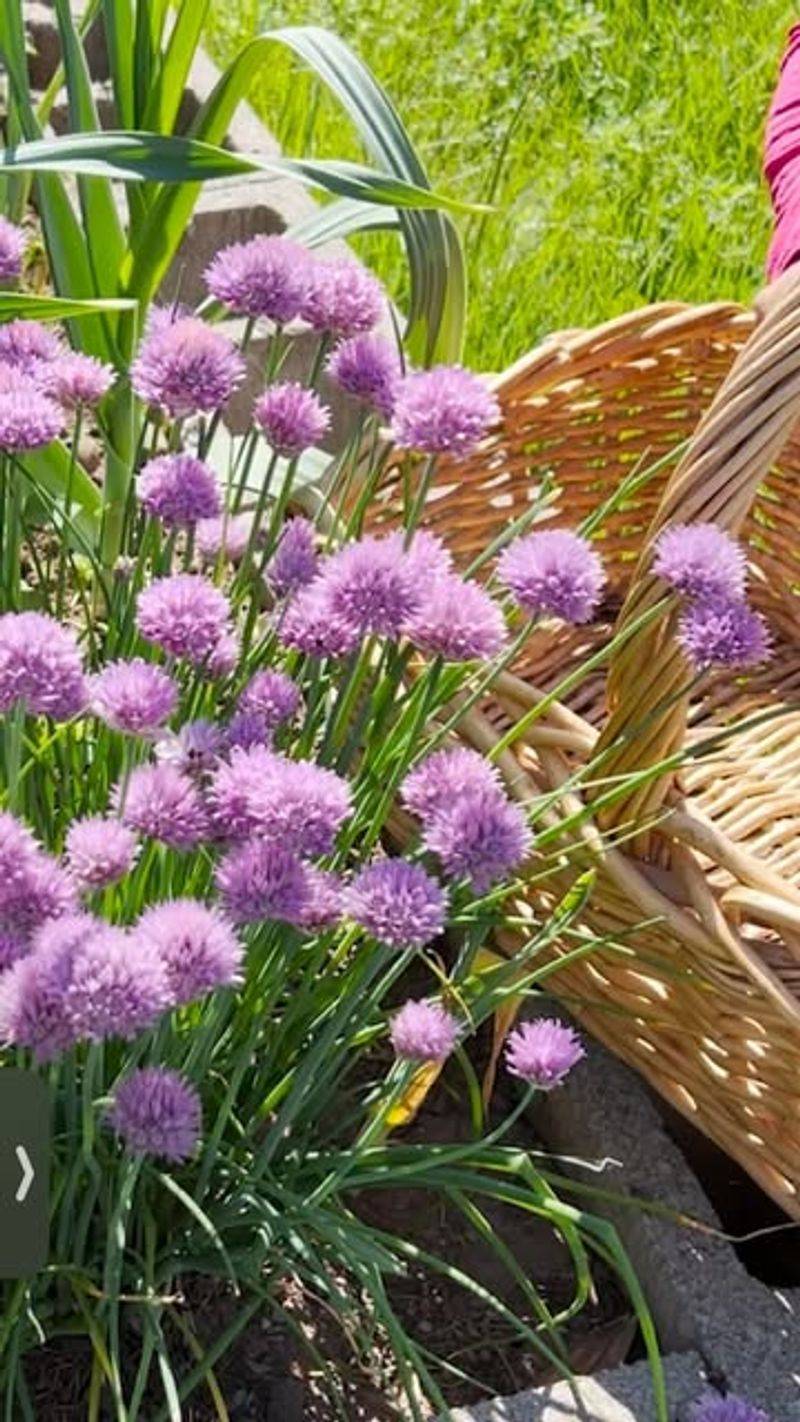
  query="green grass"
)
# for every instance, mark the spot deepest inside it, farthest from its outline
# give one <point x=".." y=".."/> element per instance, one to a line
<point x="620" y="141"/>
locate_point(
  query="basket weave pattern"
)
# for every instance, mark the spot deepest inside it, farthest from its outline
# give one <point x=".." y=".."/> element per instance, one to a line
<point x="698" y="888"/>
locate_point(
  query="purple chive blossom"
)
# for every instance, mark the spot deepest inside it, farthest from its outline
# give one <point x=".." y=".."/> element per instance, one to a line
<point x="136" y="696"/>
<point x="33" y="887"/>
<point x="195" y="749"/>
<point x="446" y="410"/>
<point x="713" y="1408"/>
<point x="291" y="418"/>
<point x="700" y="561"/>
<point x="77" y="379"/>
<point x="156" y="1112"/>
<point x="458" y="621"/>
<point x="229" y="535"/>
<point x="33" y="993"/>
<point x="426" y="556"/>
<point x="225" y="655"/>
<point x="40" y="666"/>
<point x="12" y="948"/>
<point x="300" y="804"/>
<point x="267" y="276"/>
<point x="185" y="614"/>
<point x="343" y="299"/>
<point x="99" y="851"/>
<point x="29" y="419"/>
<point x="198" y="947"/>
<point x="481" y="837"/>
<point x="370" y="586"/>
<point x="273" y="695"/>
<point x="721" y="633"/>
<point x="441" y="777"/>
<point x="323" y="902"/>
<point x="261" y="880"/>
<point x="178" y="489"/>
<point x="554" y="571"/>
<point x="185" y="367"/>
<point x="367" y="367"/>
<point x="423" y="1032"/>
<point x="295" y="562"/>
<point x="310" y="626"/>
<point x="12" y="249"/>
<point x="543" y="1052"/>
<point x="118" y="985"/>
<point x="397" y="903"/>
<point x="230" y="786"/>
<point x="246" y="729"/>
<point x="163" y="804"/>
<point x="25" y="343"/>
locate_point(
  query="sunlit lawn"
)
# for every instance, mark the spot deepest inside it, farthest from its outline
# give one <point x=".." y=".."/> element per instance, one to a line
<point x="620" y="141"/>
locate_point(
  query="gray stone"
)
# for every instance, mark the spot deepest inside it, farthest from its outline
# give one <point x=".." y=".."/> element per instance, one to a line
<point x="701" y="1296"/>
<point x="620" y="1395"/>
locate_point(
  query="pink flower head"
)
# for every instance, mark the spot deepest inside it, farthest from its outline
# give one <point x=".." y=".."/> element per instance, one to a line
<point x="29" y="419"/>
<point x="12" y="249"/>
<point x="33" y="992"/>
<point x="370" y="586"/>
<point x="266" y="276"/>
<point x="299" y="804"/>
<point x="722" y="633"/>
<point x="185" y="367"/>
<point x="398" y="903"/>
<point x="554" y="571"/>
<point x="542" y="1052"/>
<point x="439" y="779"/>
<point x="481" y="836"/>
<point x="343" y="299"/>
<point x="228" y="534"/>
<point x="701" y="561"/>
<point x="295" y="562"/>
<point x="117" y="987"/>
<point x="195" y="749"/>
<point x="156" y="1112"/>
<point x="136" y="697"/>
<point x="457" y="620"/>
<point x="163" y="804"/>
<point x="273" y="695"/>
<point x="185" y="614"/>
<point x="198" y="947"/>
<point x="76" y="379"/>
<point x="261" y="880"/>
<point x="99" y="851"/>
<point x="426" y="556"/>
<point x="40" y="666"/>
<point x="368" y="368"/>
<point x="291" y="418"/>
<point x="246" y="729"/>
<point x="33" y="887"/>
<point x="310" y="625"/>
<point x="322" y="906"/>
<point x="423" y="1032"/>
<point x="446" y="410"/>
<point x="27" y="343"/>
<point x="179" y="490"/>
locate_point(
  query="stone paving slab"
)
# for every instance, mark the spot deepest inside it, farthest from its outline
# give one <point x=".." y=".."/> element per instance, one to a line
<point x="620" y="1395"/>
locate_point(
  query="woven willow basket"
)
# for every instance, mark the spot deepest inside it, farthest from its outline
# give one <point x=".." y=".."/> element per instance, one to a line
<point x="698" y="871"/>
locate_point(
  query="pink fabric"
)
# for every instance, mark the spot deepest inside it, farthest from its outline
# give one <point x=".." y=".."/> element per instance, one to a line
<point x="782" y="160"/>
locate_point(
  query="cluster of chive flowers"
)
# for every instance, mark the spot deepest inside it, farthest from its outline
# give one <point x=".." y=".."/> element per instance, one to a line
<point x="717" y="626"/>
<point x="42" y="384"/>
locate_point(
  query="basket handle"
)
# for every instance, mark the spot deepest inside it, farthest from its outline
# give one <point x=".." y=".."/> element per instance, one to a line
<point x="732" y="449"/>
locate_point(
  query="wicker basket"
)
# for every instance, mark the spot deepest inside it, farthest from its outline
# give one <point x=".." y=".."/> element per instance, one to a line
<point x="698" y="872"/>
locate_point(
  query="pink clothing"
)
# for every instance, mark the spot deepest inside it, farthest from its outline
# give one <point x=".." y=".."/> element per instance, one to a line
<point x="782" y="160"/>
